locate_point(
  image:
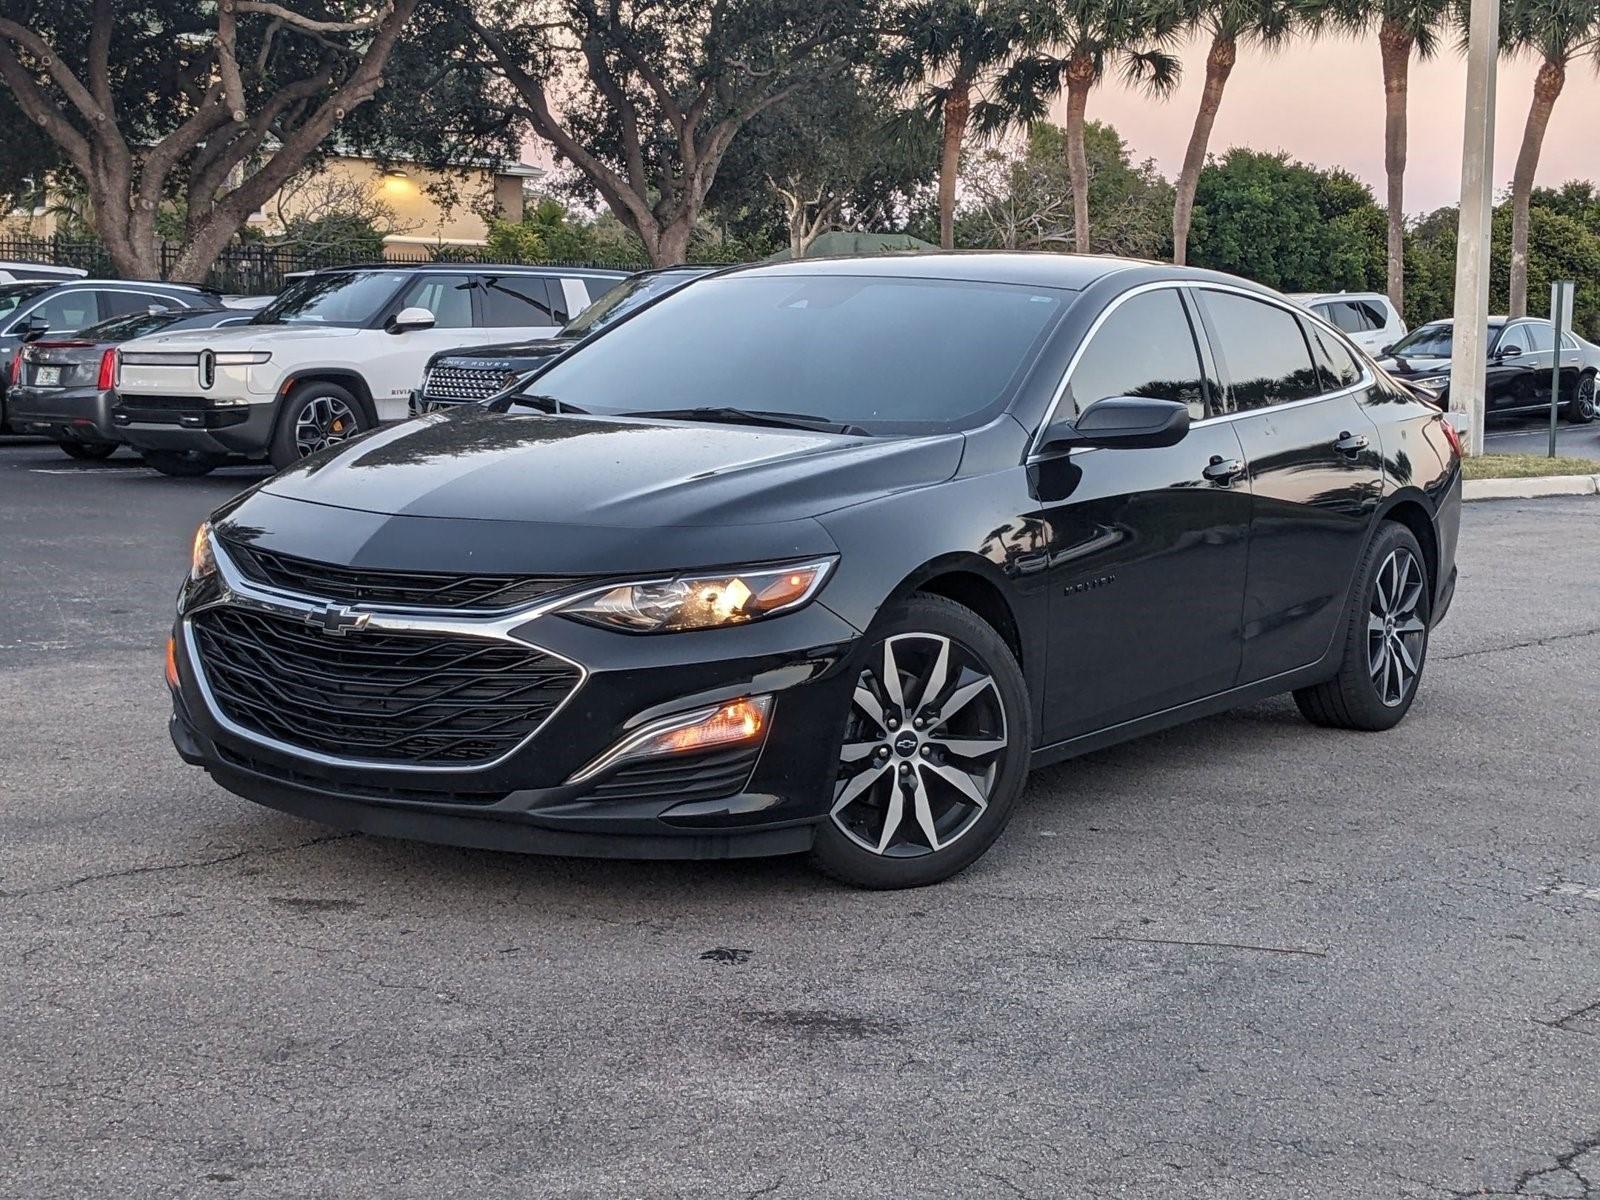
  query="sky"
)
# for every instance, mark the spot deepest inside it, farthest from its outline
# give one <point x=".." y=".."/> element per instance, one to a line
<point x="1323" y="103"/>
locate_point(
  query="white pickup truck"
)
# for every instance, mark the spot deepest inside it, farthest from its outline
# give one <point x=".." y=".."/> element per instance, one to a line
<point x="336" y="353"/>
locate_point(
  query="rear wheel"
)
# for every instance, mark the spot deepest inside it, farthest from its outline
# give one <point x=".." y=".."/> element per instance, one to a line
<point x="88" y="451"/>
<point x="934" y="754"/>
<point x="316" y="415"/>
<point x="182" y="464"/>
<point x="1581" y="408"/>
<point x="1386" y="642"/>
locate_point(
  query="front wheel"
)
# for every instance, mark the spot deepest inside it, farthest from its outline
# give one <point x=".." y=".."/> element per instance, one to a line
<point x="316" y="415"/>
<point x="88" y="451"/>
<point x="934" y="753"/>
<point x="1386" y="641"/>
<point x="182" y="464"/>
<point x="1581" y="408"/>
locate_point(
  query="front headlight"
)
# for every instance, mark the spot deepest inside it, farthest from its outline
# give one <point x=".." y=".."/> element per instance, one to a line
<point x="201" y="561"/>
<point x="701" y="601"/>
<point x="1434" y="381"/>
<point x="242" y="358"/>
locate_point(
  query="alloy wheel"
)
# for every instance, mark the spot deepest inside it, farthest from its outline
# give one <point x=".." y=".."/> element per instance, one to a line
<point x="1586" y="407"/>
<point x="1396" y="632"/>
<point x="922" y="749"/>
<point x="322" y="421"/>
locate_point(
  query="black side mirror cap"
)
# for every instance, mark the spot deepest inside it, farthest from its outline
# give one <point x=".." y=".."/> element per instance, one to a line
<point x="34" y="327"/>
<point x="1122" y="423"/>
<point x="1508" y="352"/>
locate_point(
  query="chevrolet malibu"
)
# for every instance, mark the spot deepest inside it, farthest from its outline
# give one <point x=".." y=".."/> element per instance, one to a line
<point x="822" y="557"/>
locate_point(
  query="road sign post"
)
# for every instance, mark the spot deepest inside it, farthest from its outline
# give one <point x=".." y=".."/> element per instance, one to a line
<point x="1561" y="293"/>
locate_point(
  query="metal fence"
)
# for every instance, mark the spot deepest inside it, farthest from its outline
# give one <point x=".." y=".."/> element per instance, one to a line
<point x="258" y="268"/>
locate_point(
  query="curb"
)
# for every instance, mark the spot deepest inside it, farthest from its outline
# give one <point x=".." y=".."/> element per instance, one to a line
<point x="1528" y="489"/>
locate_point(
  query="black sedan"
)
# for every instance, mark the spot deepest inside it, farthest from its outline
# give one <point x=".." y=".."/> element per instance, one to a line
<point x="823" y="557"/>
<point x="1521" y="360"/>
<point x="64" y="387"/>
<point x="465" y="376"/>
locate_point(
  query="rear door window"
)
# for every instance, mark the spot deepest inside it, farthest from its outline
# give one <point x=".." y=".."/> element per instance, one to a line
<point x="70" y="311"/>
<point x="1349" y="317"/>
<point x="1262" y="351"/>
<point x="1540" y="335"/>
<point x="118" y="303"/>
<point x="1371" y="313"/>
<point x="447" y="297"/>
<point x="520" y="300"/>
<point x="1335" y="363"/>
<point x="1145" y="348"/>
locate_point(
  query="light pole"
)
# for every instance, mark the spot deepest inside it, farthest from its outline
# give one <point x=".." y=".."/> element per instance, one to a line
<point x="1470" y="353"/>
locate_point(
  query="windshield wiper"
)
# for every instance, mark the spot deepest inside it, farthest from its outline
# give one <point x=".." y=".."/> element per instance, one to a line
<point x="752" y="416"/>
<point x="545" y="404"/>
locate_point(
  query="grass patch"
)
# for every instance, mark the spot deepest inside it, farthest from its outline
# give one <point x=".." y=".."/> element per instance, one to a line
<point x="1526" y="466"/>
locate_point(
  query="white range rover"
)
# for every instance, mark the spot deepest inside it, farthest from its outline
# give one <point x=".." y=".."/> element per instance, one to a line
<point x="337" y="352"/>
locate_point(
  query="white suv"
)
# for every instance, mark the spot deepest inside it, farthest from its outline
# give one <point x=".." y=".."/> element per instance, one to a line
<point x="335" y="354"/>
<point x="1369" y="318"/>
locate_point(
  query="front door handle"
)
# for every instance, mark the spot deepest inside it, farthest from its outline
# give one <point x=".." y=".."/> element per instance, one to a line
<point x="1351" y="443"/>
<point x="1223" y="470"/>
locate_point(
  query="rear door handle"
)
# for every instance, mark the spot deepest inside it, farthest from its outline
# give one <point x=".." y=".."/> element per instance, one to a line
<point x="1351" y="443"/>
<point x="1223" y="470"/>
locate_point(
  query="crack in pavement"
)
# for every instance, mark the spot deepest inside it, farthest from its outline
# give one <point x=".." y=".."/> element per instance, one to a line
<point x="159" y="868"/>
<point x="1543" y="1177"/>
<point x="1107" y="937"/>
<point x="1529" y="644"/>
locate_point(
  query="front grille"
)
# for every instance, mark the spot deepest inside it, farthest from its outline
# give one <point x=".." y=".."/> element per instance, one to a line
<point x="458" y="385"/>
<point x="424" y="699"/>
<point x="707" y="776"/>
<point x="392" y="589"/>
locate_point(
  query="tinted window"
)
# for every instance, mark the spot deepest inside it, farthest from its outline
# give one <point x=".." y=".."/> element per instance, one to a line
<point x="1430" y="341"/>
<point x="119" y="303"/>
<point x="1514" y="335"/>
<point x="518" y="300"/>
<point x="1348" y="317"/>
<point x="623" y="299"/>
<point x="69" y="311"/>
<point x="1334" y="361"/>
<point x="14" y="295"/>
<point x="346" y="298"/>
<point x="1262" y="350"/>
<point x="1145" y="348"/>
<point x="1374" y="316"/>
<point x="888" y="354"/>
<point x="1568" y="342"/>
<point x="1540" y="335"/>
<point x="447" y="297"/>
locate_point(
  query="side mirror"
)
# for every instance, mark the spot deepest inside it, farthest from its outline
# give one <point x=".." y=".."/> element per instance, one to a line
<point x="1386" y="351"/>
<point x="1509" y="352"/>
<point x="408" y="319"/>
<point x="1123" y="423"/>
<point x="33" y="327"/>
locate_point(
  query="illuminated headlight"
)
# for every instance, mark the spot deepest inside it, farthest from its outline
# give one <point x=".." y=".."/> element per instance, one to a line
<point x="242" y="358"/>
<point x="202" y="562"/>
<point x="1434" y="381"/>
<point x="701" y="601"/>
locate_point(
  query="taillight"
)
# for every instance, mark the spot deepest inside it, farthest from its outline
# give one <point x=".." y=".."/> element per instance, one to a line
<point x="1452" y="435"/>
<point x="108" y="371"/>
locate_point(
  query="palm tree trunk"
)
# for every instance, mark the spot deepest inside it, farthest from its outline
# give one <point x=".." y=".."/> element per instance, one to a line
<point x="1547" y="85"/>
<point x="1395" y="42"/>
<point x="1080" y="78"/>
<point x="1219" y="65"/>
<point x="957" y="108"/>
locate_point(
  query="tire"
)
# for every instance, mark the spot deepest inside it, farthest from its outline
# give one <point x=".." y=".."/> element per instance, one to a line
<point x="1385" y="640"/>
<point x="1581" y="408"/>
<point x="181" y="464"/>
<point x="920" y="810"/>
<point x="315" y="415"/>
<point x="88" y="451"/>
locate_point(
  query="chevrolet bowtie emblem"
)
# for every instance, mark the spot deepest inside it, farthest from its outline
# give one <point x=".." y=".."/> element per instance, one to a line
<point x="336" y="620"/>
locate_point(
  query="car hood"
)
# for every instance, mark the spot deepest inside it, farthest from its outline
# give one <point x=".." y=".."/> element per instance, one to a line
<point x="238" y="336"/>
<point x="612" y="472"/>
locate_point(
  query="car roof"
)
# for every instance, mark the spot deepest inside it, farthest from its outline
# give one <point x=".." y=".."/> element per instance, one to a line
<point x="139" y="284"/>
<point x="1311" y="297"/>
<point x="451" y="267"/>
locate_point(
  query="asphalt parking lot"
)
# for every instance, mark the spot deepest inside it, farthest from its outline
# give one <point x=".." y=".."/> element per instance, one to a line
<point x="1532" y="436"/>
<point x="1245" y="958"/>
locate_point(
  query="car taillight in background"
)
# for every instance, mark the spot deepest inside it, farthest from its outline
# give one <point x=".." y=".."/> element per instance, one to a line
<point x="1452" y="434"/>
<point x="108" y="371"/>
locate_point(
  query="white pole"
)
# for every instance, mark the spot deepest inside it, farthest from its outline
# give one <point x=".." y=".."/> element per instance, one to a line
<point x="1468" y="358"/>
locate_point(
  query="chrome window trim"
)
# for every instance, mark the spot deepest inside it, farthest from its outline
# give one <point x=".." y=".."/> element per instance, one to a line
<point x="1294" y="310"/>
<point x="239" y="592"/>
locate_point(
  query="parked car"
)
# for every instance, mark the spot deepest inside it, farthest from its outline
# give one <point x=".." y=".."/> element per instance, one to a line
<point x="65" y="386"/>
<point x="1521" y="359"/>
<point x="32" y="308"/>
<point x="1369" y="319"/>
<point x="13" y="272"/>
<point x="823" y="556"/>
<point x="335" y="354"/>
<point x="463" y="376"/>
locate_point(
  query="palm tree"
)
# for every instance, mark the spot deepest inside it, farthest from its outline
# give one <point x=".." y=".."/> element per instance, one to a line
<point x="1405" y="27"/>
<point x="1265" y="22"/>
<point x="954" y="51"/>
<point x="1561" y="32"/>
<point x="1087" y="39"/>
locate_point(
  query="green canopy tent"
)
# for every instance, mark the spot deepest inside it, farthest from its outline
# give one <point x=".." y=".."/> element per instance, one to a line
<point x="829" y="245"/>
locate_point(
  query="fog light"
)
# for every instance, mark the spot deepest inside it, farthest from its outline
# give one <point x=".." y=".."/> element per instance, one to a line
<point x="172" y="662"/>
<point x="743" y="720"/>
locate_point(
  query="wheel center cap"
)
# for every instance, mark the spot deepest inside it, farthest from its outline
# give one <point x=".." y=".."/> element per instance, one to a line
<point x="906" y="744"/>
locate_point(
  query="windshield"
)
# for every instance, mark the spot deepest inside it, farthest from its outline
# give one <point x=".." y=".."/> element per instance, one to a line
<point x="346" y="298"/>
<point x="14" y="294"/>
<point x="623" y="299"/>
<point x="886" y="354"/>
<point x="1429" y="341"/>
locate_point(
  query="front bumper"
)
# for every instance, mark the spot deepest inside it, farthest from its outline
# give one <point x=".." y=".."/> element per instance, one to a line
<point x="77" y="414"/>
<point x="193" y="423"/>
<point x="756" y="799"/>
